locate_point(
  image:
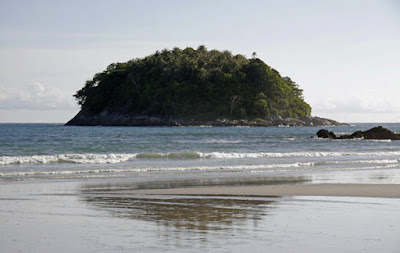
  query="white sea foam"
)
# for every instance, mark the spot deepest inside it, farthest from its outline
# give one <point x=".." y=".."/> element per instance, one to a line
<point x="120" y="172"/>
<point x="222" y="141"/>
<point x="385" y="166"/>
<point x="209" y="141"/>
<point x="178" y="155"/>
<point x="129" y="170"/>
<point x="118" y="158"/>
<point x="65" y="172"/>
<point x="67" y="158"/>
<point x="289" y="138"/>
<point x="384" y="161"/>
<point x="221" y="155"/>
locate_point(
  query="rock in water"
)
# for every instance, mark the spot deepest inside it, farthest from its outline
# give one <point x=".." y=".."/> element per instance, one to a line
<point x="380" y="133"/>
<point x="323" y="133"/>
<point x="376" y="133"/>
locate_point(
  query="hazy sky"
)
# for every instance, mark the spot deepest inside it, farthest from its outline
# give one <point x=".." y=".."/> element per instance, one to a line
<point x="344" y="54"/>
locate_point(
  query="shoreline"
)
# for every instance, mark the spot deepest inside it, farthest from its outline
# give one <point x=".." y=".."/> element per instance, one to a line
<point x="107" y="118"/>
<point x="337" y="190"/>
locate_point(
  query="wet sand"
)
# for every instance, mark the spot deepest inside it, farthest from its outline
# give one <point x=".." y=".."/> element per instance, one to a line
<point x="347" y="190"/>
<point x="109" y="216"/>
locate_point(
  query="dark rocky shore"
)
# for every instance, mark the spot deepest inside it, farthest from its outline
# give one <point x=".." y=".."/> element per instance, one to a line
<point x="376" y="133"/>
<point x="117" y="119"/>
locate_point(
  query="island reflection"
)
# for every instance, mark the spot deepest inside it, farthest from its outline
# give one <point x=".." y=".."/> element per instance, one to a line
<point x="185" y="213"/>
<point x="186" y="217"/>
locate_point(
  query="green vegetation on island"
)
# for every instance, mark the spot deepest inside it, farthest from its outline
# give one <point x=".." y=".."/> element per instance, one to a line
<point x="189" y="83"/>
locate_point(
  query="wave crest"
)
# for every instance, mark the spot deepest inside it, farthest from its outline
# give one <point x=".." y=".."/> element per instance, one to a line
<point x="67" y="158"/>
<point x="179" y="155"/>
<point x="118" y="158"/>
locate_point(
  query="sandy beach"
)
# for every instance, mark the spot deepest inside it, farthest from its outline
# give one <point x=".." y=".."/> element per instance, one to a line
<point x="348" y="190"/>
<point x="108" y="216"/>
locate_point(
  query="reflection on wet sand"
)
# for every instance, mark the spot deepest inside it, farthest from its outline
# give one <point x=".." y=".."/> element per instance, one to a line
<point x="185" y="221"/>
<point x="198" y="182"/>
<point x="199" y="214"/>
<point x="194" y="223"/>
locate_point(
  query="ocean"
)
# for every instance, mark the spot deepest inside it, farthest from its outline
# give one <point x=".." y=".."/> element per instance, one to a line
<point x="57" y="152"/>
<point x="56" y="181"/>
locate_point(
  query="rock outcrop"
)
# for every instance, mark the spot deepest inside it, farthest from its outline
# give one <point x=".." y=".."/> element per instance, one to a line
<point x="376" y="133"/>
<point x="107" y="118"/>
<point x="323" y="133"/>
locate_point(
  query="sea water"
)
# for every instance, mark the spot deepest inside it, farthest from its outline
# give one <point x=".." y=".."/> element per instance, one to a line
<point x="66" y="189"/>
<point x="54" y="151"/>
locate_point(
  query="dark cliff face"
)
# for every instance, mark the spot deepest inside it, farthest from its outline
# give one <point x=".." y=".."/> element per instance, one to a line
<point x="106" y="118"/>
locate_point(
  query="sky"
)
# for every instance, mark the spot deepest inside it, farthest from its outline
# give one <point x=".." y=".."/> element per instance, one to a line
<point x="344" y="54"/>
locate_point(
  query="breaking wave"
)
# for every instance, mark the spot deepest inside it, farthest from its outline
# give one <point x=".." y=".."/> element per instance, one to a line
<point x="67" y="158"/>
<point x="221" y="155"/>
<point x="179" y="155"/>
<point x="119" y="158"/>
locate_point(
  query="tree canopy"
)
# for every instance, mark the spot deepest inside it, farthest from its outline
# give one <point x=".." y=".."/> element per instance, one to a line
<point x="193" y="82"/>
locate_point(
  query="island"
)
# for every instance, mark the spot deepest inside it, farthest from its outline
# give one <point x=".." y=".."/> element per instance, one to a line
<point x="192" y="87"/>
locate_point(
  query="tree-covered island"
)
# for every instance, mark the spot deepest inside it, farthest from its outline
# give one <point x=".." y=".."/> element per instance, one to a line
<point x="192" y="87"/>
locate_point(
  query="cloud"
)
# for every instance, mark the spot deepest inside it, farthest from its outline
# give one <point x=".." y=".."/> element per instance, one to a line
<point x="362" y="103"/>
<point x="372" y="106"/>
<point x="36" y="96"/>
<point x="357" y="105"/>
